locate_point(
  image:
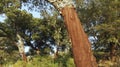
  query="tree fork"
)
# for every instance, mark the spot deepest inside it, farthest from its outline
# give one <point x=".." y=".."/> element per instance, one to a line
<point x="82" y="52"/>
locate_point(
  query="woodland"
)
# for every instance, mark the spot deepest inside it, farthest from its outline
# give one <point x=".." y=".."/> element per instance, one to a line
<point x="68" y="33"/>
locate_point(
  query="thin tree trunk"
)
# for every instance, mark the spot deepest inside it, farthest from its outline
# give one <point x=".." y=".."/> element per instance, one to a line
<point x="112" y="51"/>
<point x="83" y="56"/>
<point x="24" y="57"/>
<point x="56" y="53"/>
<point x="20" y="46"/>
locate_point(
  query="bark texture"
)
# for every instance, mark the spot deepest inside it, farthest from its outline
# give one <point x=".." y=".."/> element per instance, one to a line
<point x="81" y="48"/>
<point x="20" y="46"/>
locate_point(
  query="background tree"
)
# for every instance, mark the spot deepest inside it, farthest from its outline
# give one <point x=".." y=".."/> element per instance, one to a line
<point x="101" y="20"/>
<point x="17" y="24"/>
<point x="40" y="31"/>
<point x="109" y="27"/>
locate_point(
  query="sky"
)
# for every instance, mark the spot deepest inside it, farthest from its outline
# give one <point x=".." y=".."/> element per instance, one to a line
<point x="2" y="17"/>
<point x="34" y="13"/>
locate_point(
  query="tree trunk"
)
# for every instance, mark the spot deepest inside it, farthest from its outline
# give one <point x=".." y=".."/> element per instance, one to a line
<point x="24" y="57"/>
<point x="20" y="46"/>
<point x="56" y="53"/>
<point x="112" y="51"/>
<point x="83" y="56"/>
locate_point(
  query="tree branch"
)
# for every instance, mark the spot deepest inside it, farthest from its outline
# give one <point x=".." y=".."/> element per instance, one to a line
<point x="3" y="35"/>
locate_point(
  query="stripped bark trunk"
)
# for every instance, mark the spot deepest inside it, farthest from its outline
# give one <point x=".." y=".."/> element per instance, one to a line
<point x="20" y="46"/>
<point x="83" y="56"/>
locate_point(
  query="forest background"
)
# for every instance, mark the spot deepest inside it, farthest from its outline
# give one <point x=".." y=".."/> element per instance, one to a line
<point x="47" y="37"/>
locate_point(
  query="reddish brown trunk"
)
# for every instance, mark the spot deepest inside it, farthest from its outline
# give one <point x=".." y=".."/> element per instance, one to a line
<point x="24" y="57"/>
<point x="83" y="56"/>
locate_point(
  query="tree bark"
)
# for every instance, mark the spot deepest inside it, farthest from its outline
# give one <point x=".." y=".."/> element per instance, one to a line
<point x="56" y="53"/>
<point x="24" y="57"/>
<point x="82" y="52"/>
<point x="112" y="51"/>
<point x="20" y="46"/>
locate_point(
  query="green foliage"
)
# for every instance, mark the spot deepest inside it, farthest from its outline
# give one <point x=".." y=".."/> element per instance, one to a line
<point x="65" y="60"/>
<point x="42" y="31"/>
<point x="6" y="57"/>
<point x="46" y="61"/>
<point x="6" y="4"/>
<point x="101" y="21"/>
